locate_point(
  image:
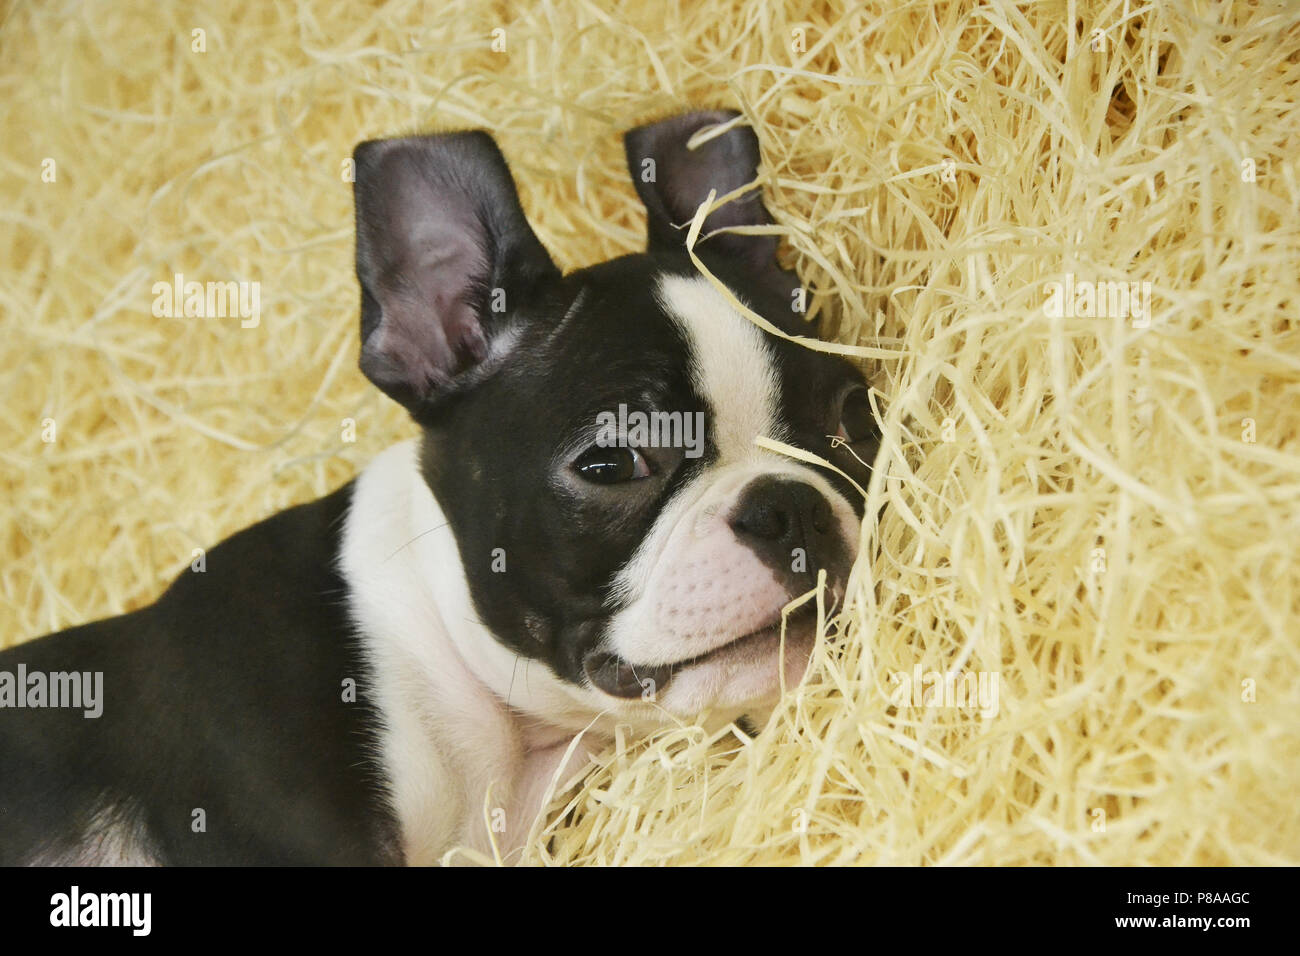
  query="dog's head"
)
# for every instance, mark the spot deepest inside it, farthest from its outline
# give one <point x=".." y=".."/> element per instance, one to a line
<point x="590" y="437"/>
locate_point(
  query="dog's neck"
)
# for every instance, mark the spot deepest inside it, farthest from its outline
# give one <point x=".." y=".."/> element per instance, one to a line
<point x="466" y="743"/>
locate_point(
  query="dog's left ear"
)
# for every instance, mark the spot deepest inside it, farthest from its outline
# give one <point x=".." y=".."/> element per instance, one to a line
<point x="673" y="180"/>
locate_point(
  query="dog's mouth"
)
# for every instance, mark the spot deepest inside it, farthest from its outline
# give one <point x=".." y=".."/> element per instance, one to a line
<point x="619" y="677"/>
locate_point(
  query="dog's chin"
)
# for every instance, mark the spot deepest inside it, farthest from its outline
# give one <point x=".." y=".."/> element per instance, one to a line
<point x="744" y="675"/>
<point x="747" y="675"/>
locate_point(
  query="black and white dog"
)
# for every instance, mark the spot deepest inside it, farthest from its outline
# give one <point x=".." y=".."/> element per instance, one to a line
<point x="370" y="677"/>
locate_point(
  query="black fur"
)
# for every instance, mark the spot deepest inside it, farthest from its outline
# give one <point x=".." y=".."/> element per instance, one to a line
<point x="226" y="696"/>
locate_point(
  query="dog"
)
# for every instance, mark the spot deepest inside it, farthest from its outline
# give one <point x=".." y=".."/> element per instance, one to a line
<point x="585" y="534"/>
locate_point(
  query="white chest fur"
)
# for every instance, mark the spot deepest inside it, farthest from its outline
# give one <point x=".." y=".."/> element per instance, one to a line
<point x="458" y="757"/>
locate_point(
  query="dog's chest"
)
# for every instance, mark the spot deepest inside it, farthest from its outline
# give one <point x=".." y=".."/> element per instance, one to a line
<point x="462" y="766"/>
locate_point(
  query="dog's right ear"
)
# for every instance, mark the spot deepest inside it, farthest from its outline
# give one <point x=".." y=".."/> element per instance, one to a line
<point x="441" y="240"/>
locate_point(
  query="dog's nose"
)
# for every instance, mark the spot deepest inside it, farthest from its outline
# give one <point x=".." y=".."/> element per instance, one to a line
<point x="778" y="517"/>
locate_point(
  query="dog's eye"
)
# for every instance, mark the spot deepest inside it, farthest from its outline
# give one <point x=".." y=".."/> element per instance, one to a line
<point x="857" y="422"/>
<point x="610" y="466"/>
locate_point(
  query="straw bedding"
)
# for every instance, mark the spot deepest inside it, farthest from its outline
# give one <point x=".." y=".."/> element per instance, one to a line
<point x="1099" y="509"/>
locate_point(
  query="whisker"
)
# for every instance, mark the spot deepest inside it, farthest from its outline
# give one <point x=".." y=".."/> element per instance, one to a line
<point x="415" y="539"/>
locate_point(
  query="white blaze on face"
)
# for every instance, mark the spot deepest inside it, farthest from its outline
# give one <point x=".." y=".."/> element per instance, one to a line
<point x="730" y="365"/>
<point x="692" y="586"/>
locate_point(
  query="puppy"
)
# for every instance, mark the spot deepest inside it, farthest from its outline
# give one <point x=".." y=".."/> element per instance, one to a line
<point x="585" y="534"/>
